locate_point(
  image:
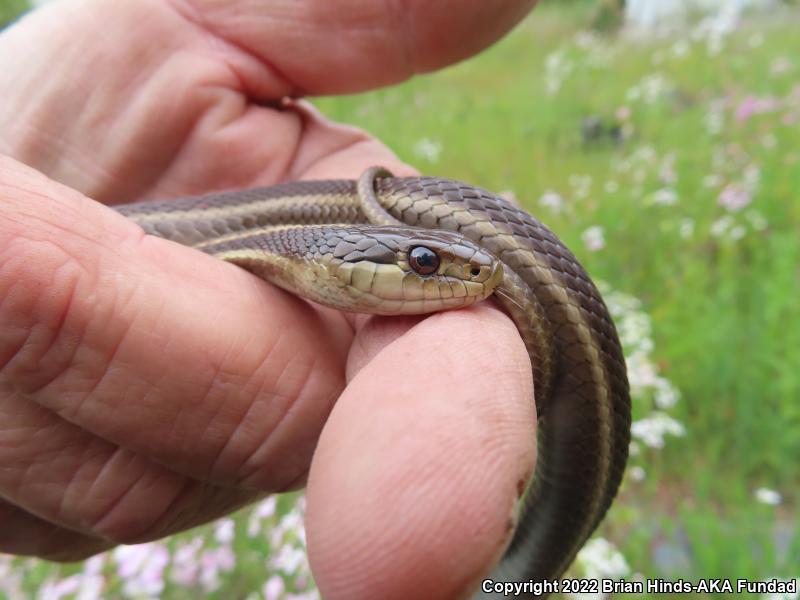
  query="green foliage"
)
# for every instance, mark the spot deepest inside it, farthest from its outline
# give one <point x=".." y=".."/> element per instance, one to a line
<point x="11" y="9"/>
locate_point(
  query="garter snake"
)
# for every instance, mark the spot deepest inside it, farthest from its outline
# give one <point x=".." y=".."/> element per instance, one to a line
<point x="414" y="245"/>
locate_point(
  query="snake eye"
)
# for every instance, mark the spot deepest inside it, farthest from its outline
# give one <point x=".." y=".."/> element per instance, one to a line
<point x="423" y="260"/>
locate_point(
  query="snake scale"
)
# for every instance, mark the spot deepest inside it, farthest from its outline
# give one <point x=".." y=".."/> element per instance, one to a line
<point x="391" y="245"/>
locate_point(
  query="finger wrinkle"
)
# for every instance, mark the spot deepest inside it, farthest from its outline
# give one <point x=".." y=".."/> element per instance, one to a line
<point x="75" y="485"/>
<point x="19" y="462"/>
<point x="222" y="379"/>
<point x="113" y="523"/>
<point x="252" y="467"/>
<point x="130" y="498"/>
<point x="103" y="369"/>
<point x="215" y="429"/>
<point x="49" y="335"/>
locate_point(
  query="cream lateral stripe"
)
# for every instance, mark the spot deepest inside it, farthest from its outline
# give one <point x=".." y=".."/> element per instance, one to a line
<point x="261" y="206"/>
<point x="603" y="386"/>
<point x="243" y="237"/>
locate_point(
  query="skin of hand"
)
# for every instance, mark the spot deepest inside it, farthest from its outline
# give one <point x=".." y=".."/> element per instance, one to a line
<point x="146" y="388"/>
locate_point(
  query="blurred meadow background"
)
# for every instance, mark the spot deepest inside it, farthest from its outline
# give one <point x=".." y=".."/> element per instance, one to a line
<point x="668" y="158"/>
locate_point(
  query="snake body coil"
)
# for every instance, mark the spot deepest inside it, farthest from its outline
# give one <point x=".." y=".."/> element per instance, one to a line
<point x="363" y="234"/>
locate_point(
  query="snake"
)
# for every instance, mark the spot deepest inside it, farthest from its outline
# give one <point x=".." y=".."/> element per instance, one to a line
<point x="414" y="245"/>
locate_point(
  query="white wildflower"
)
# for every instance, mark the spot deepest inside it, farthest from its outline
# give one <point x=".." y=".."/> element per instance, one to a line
<point x="721" y="226"/>
<point x="55" y="590"/>
<point x="142" y="568"/>
<point x="594" y="238"/>
<point x="11" y="580"/>
<point x="599" y="559"/>
<point x="214" y="562"/>
<point x="224" y="531"/>
<point x="636" y="473"/>
<point x="737" y="232"/>
<point x="652" y="430"/>
<point x="185" y="569"/>
<point x="557" y="67"/>
<point x="752" y="175"/>
<point x="667" y="395"/>
<point x="428" y="149"/>
<point x="552" y="200"/>
<point x="293" y="521"/>
<point x="309" y="595"/>
<point x="586" y="40"/>
<point x="635" y="334"/>
<point x="755" y="40"/>
<point x="263" y="510"/>
<point x="91" y="587"/>
<point x="715" y="122"/>
<point x="581" y="185"/>
<point x="680" y="49"/>
<point x="274" y="588"/>
<point x="94" y="565"/>
<point x="645" y="155"/>
<point x="768" y="496"/>
<point x="780" y="65"/>
<point x="289" y="560"/>
<point x="686" y="228"/>
<point x="665" y="197"/>
<point x="650" y="89"/>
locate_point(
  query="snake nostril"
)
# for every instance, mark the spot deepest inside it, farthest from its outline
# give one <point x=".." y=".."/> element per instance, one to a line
<point x="475" y="271"/>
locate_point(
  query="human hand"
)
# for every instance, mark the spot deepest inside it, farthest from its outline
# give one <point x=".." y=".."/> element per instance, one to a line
<point x="146" y="388"/>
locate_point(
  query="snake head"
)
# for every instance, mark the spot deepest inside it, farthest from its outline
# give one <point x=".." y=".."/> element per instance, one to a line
<point x="404" y="270"/>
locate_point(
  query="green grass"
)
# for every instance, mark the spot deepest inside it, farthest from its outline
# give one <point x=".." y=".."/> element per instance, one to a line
<point x="10" y="9"/>
<point x="724" y="310"/>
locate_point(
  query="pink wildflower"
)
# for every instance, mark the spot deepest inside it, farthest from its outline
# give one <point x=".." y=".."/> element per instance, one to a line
<point x="751" y="105"/>
<point x="734" y="197"/>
